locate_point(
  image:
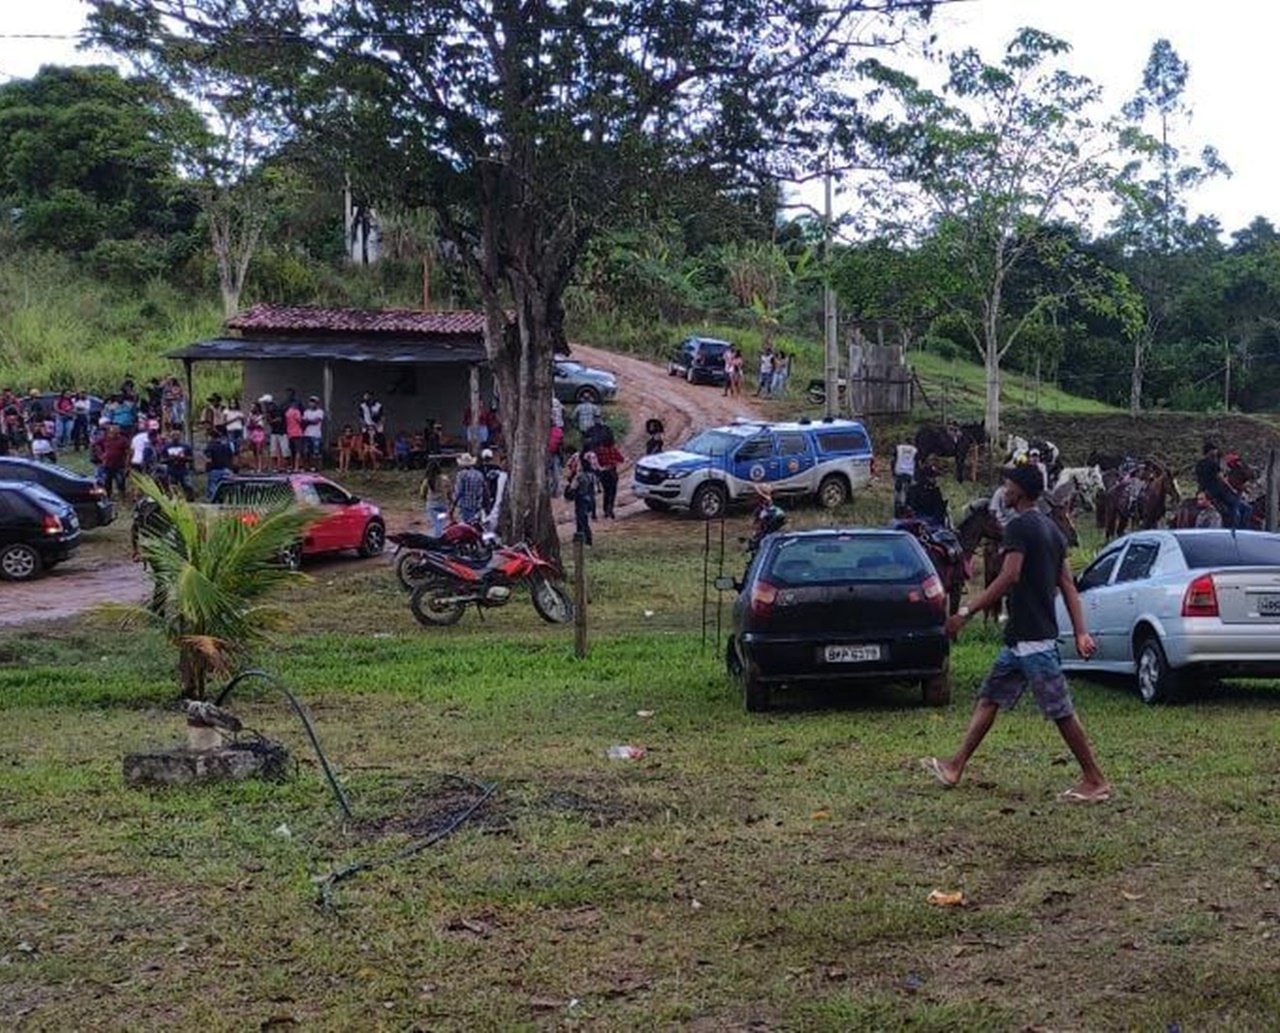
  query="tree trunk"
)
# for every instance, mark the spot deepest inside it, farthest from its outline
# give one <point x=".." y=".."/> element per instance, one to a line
<point x="192" y="672"/>
<point x="991" y="413"/>
<point x="1135" y="381"/>
<point x="521" y="359"/>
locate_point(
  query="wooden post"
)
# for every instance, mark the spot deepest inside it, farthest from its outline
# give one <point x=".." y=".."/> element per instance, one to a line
<point x="327" y="392"/>
<point x="579" y="598"/>
<point x="473" y="431"/>
<point x="190" y="428"/>
<point x="1273" y="490"/>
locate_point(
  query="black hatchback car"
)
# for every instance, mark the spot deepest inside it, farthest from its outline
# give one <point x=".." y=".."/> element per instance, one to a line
<point x="92" y="506"/>
<point x="839" y="606"/>
<point x="700" y="360"/>
<point x="37" y="530"/>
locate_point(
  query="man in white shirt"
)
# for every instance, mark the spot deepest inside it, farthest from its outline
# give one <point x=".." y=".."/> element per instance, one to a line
<point x="139" y="446"/>
<point x="313" y="433"/>
<point x="904" y="472"/>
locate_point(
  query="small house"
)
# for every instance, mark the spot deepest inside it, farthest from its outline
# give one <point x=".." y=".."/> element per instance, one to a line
<point x="420" y="365"/>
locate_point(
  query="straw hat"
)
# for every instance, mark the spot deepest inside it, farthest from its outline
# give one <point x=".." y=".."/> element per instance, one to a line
<point x="466" y="459"/>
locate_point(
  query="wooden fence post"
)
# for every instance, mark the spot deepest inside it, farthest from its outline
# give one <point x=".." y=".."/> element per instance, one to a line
<point x="579" y="598"/>
<point x="1273" y="490"/>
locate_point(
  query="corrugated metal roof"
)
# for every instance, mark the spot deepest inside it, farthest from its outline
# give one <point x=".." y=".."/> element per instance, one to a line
<point x="236" y="349"/>
<point x="390" y="321"/>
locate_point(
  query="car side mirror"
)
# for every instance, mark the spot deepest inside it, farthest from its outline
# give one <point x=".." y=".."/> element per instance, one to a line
<point x="727" y="583"/>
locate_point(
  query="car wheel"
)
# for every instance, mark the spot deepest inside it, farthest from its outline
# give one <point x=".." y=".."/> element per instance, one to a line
<point x="587" y="394"/>
<point x="657" y="505"/>
<point x="374" y="539"/>
<point x="709" y="501"/>
<point x="1157" y="682"/>
<point x="19" y="562"/>
<point x="936" y="689"/>
<point x="755" y="693"/>
<point x="690" y="377"/>
<point x="291" y="556"/>
<point x="671" y="370"/>
<point x="833" y="491"/>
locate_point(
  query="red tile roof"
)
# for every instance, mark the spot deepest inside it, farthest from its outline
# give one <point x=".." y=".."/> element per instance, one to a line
<point x="389" y="321"/>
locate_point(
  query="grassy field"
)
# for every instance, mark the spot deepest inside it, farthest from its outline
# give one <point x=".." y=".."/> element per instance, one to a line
<point x="749" y="872"/>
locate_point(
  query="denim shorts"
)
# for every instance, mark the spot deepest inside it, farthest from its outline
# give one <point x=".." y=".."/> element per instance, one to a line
<point x="1011" y="675"/>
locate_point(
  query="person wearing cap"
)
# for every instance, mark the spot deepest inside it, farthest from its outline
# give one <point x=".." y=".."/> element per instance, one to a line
<point x="313" y="433"/>
<point x="1033" y="458"/>
<point x="468" y="491"/>
<point x="1209" y="479"/>
<point x="1033" y="572"/>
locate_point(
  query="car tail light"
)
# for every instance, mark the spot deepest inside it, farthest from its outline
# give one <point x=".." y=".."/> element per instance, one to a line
<point x="1201" y="598"/>
<point x="934" y="593"/>
<point x="52" y="525"/>
<point x="763" y="596"/>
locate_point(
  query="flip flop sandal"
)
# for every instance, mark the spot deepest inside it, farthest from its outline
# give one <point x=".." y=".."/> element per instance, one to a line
<point x="934" y="767"/>
<point x="1075" y="796"/>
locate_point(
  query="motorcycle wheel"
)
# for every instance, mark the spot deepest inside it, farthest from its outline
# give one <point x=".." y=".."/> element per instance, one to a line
<point x="410" y="571"/>
<point x="427" y="608"/>
<point x="551" y="601"/>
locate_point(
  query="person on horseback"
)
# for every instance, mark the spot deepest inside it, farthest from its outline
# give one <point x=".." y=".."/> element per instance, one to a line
<point x="1210" y="480"/>
<point x="924" y="497"/>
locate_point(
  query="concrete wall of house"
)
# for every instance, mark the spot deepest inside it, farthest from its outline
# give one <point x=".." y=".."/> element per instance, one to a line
<point x="410" y="393"/>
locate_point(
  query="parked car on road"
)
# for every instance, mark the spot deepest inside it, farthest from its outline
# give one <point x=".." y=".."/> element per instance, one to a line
<point x="840" y="607"/>
<point x="89" y="498"/>
<point x="37" y="530"/>
<point x="1173" y="607"/>
<point x="700" y="360"/>
<point x="574" y="382"/>
<point x="344" y="521"/>
<point x="829" y="460"/>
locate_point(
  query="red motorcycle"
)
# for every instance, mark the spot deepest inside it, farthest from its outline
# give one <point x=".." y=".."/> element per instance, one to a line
<point x="453" y="582"/>
<point x="412" y="548"/>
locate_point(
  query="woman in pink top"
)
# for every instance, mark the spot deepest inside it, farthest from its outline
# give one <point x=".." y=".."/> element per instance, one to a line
<point x="293" y="431"/>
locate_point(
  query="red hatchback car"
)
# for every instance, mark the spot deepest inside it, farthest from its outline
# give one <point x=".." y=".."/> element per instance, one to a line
<point x="347" y="522"/>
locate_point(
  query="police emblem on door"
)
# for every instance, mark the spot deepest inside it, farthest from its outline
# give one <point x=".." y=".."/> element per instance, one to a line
<point x="757" y="472"/>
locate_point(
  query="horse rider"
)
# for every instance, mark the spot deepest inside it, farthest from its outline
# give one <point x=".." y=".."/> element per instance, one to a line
<point x="1210" y="480"/>
<point x="924" y="497"/>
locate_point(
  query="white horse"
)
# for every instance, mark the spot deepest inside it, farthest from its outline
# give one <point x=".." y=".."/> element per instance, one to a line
<point x="1085" y="482"/>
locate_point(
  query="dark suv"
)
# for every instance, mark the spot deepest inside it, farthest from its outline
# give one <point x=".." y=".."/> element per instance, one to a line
<point x="92" y="506"/>
<point x="37" y="530"/>
<point x="700" y="360"/>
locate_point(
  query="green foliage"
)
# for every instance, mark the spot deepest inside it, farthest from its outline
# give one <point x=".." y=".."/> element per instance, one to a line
<point x="210" y="571"/>
<point x="87" y="156"/>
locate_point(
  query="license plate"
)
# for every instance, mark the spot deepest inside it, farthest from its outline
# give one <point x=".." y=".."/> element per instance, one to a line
<point x="1269" y="606"/>
<point x="851" y="654"/>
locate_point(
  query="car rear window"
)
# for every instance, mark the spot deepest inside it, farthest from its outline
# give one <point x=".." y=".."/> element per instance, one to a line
<point x="842" y="559"/>
<point x="1230" y="550"/>
<point x="254" y="493"/>
<point x="843" y="441"/>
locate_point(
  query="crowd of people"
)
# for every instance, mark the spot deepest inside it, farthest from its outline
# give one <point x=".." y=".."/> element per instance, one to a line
<point x="772" y="372"/>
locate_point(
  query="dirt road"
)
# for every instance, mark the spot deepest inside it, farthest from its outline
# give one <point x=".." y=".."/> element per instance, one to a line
<point x="98" y="574"/>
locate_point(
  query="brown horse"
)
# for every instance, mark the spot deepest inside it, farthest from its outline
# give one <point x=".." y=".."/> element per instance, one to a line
<point x="1143" y="499"/>
<point x="979" y="527"/>
<point x="961" y="442"/>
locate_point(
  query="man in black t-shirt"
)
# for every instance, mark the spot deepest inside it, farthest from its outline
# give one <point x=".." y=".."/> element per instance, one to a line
<point x="1034" y="570"/>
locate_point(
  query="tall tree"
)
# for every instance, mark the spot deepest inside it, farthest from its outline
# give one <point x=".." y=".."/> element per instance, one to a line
<point x="530" y="126"/>
<point x="1153" y="225"/>
<point x="1004" y="150"/>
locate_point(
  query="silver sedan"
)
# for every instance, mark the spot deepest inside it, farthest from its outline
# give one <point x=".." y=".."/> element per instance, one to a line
<point x="1172" y="607"/>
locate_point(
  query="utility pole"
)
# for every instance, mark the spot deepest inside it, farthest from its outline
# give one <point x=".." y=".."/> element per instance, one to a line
<point x="1226" y="387"/>
<point x="832" y="371"/>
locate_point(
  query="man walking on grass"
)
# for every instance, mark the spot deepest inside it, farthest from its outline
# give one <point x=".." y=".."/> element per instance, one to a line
<point x="1034" y="570"/>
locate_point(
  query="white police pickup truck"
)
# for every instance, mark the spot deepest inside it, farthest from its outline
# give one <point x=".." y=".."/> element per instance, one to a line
<point x="828" y="459"/>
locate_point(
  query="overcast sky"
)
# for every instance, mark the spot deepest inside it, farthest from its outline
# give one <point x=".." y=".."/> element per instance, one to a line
<point x="1229" y="46"/>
